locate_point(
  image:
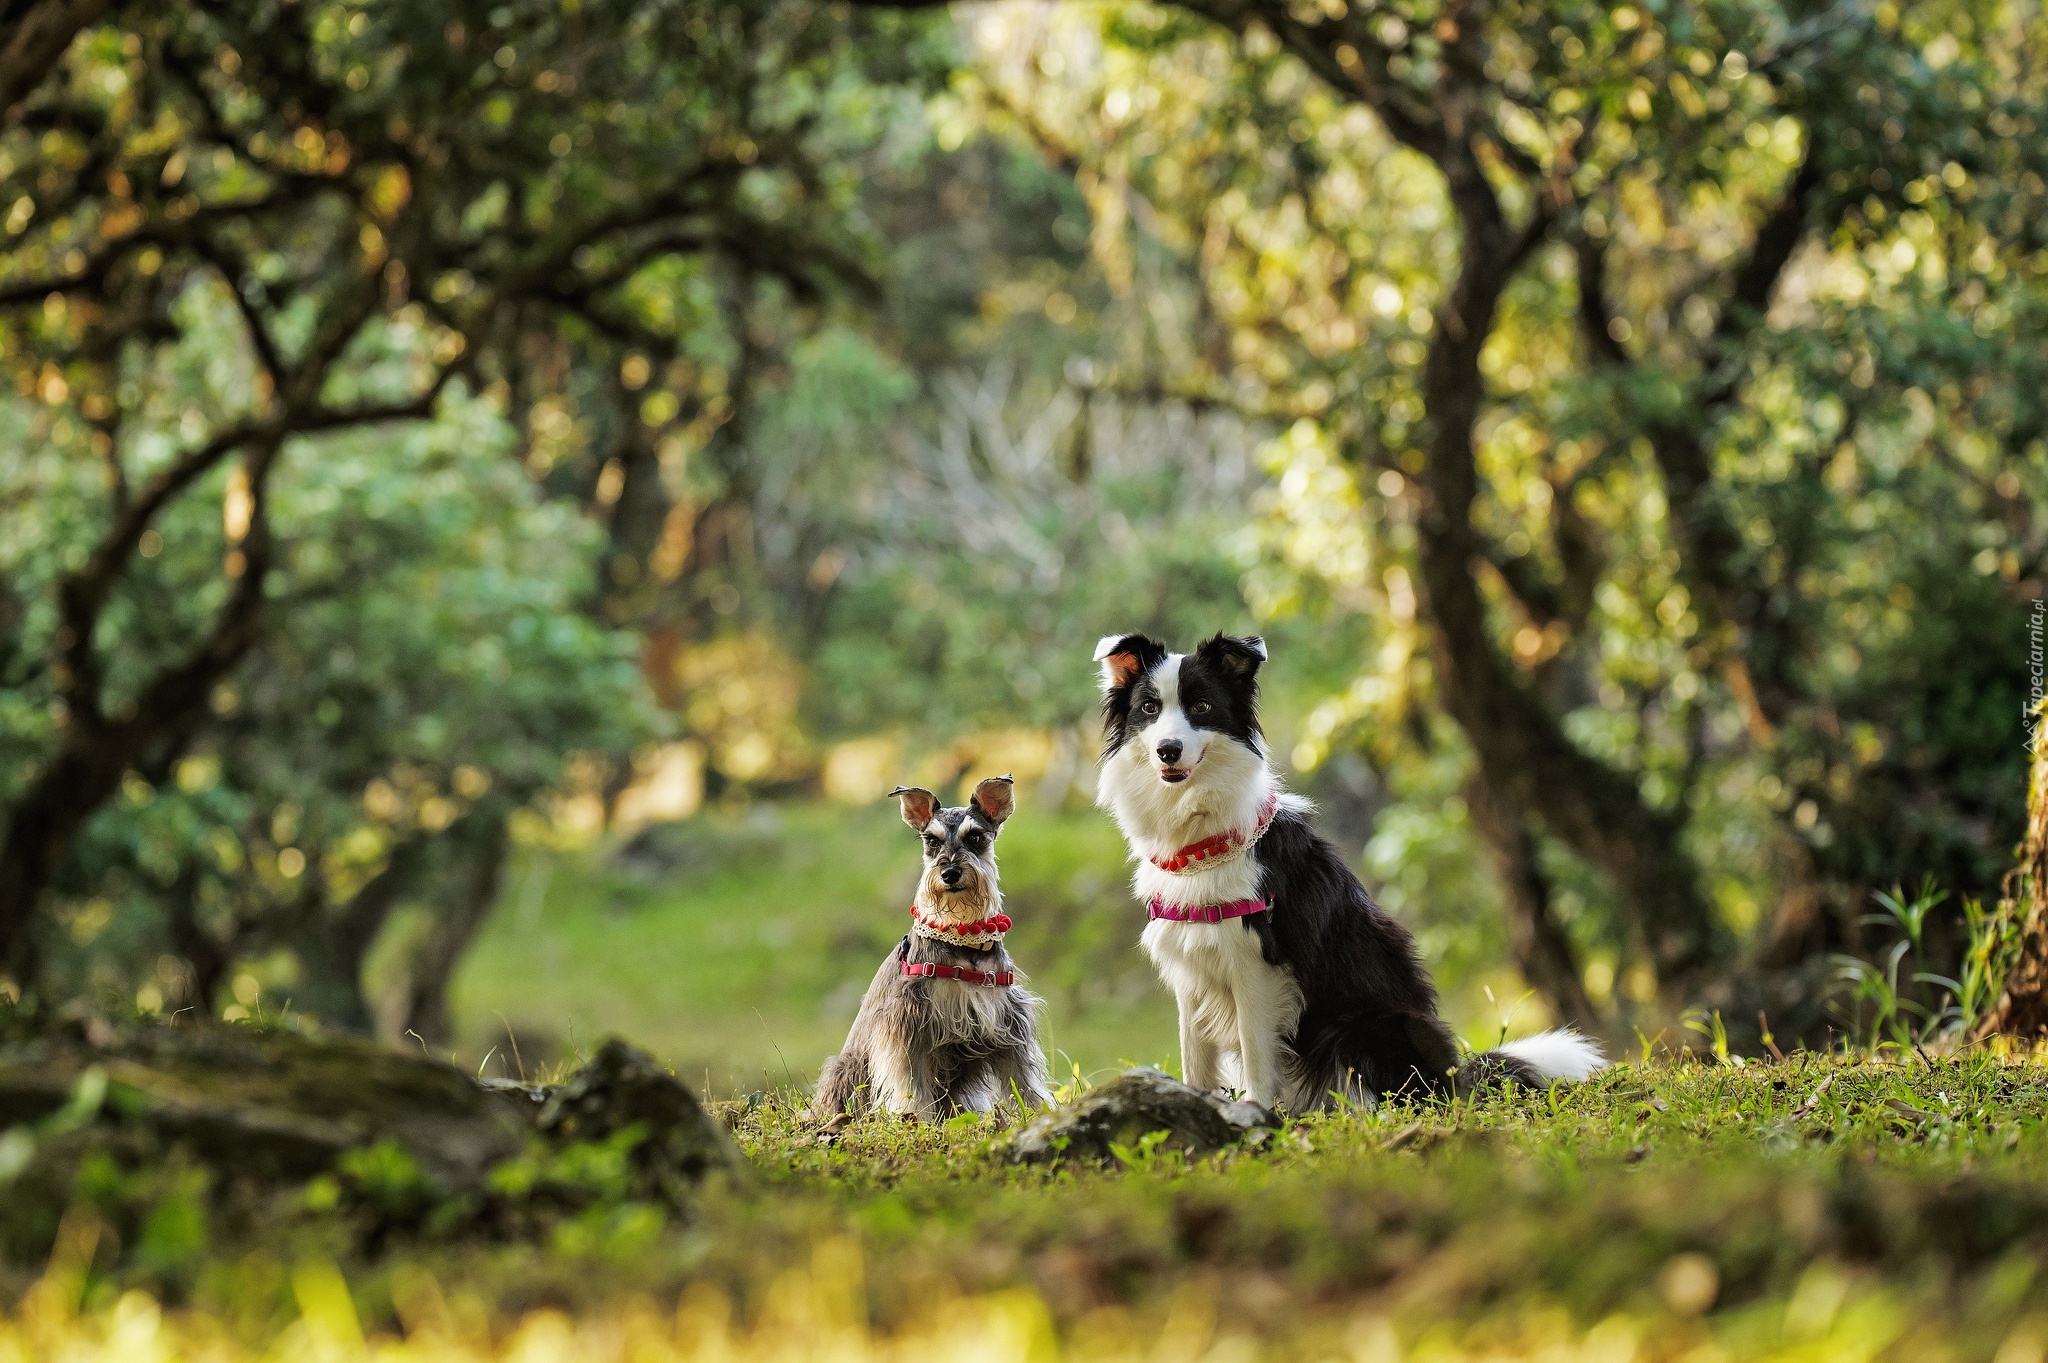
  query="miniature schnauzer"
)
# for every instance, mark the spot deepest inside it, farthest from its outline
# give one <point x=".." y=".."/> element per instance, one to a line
<point x="947" y="1025"/>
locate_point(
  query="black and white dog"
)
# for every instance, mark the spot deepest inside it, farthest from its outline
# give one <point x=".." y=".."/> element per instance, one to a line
<point x="947" y="1024"/>
<point x="1293" y="986"/>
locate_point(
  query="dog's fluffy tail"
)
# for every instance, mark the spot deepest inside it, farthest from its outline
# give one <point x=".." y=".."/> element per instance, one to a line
<point x="1535" y="1061"/>
<point x="1560" y="1054"/>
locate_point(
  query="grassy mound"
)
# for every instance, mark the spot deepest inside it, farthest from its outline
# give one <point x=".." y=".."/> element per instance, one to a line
<point x="1818" y="1209"/>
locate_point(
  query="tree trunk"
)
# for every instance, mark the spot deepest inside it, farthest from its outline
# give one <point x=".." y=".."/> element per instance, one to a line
<point x="38" y="837"/>
<point x="471" y="891"/>
<point x="2022" y="1010"/>
<point x="638" y="518"/>
<point x="1542" y="951"/>
<point x="206" y="959"/>
<point x="1525" y="757"/>
<point x="98" y="748"/>
<point x="332" y="945"/>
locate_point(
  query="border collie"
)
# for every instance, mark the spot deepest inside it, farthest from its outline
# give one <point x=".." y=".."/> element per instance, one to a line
<point x="947" y="1025"/>
<point x="1293" y="986"/>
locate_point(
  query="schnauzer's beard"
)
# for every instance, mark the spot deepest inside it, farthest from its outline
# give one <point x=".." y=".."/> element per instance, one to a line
<point x="976" y="898"/>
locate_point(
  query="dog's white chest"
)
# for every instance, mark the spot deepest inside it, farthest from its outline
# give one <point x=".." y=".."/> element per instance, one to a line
<point x="1222" y="980"/>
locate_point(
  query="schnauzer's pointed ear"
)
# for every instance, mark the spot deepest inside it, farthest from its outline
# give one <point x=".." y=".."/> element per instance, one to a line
<point x="1124" y="656"/>
<point x="995" y="799"/>
<point x="919" y="805"/>
<point x="1233" y="655"/>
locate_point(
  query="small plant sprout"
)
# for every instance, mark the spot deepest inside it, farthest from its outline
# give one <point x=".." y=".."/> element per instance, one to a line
<point x="1896" y="1002"/>
<point x="1710" y="1026"/>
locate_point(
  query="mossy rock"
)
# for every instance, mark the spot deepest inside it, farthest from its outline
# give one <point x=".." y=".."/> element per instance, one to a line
<point x="1135" y="1105"/>
<point x="621" y="1089"/>
<point x="267" y="1102"/>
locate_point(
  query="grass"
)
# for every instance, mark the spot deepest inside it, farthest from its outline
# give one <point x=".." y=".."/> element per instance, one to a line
<point x="1823" y="1208"/>
<point x="737" y="946"/>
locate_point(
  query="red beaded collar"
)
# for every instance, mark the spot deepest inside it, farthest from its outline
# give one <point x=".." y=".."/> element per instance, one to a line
<point x="981" y="934"/>
<point x="1218" y="847"/>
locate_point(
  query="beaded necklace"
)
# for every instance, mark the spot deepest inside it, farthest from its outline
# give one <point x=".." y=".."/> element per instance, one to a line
<point x="1219" y="848"/>
<point x="979" y="935"/>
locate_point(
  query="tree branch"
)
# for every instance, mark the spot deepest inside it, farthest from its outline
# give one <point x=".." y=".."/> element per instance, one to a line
<point x="99" y="264"/>
<point x="37" y="45"/>
<point x="1596" y="318"/>
<point x="1523" y="575"/>
<point x="232" y="271"/>
<point x="1323" y="45"/>
<point x="1711" y="548"/>
<point x="1756" y="279"/>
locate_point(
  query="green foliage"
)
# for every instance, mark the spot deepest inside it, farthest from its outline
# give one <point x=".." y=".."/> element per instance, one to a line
<point x="1871" y="428"/>
<point x="1428" y="868"/>
<point x="298" y="303"/>
<point x="432" y="652"/>
<point x="387" y="1182"/>
<point x="1994" y="936"/>
<point x="945" y="536"/>
<point x="1927" y="1008"/>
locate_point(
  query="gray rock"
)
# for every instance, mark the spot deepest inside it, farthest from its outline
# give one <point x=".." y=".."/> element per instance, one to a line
<point x="525" y="1100"/>
<point x="1132" y="1106"/>
<point x="1246" y="1115"/>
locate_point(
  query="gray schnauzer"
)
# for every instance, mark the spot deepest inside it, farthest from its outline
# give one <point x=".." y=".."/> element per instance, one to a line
<point x="947" y="1025"/>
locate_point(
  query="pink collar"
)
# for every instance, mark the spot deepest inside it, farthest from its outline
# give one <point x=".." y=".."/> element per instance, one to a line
<point x="1206" y="913"/>
<point x="1219" y="846"/>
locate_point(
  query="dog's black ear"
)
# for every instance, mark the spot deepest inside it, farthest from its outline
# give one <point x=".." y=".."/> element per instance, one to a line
<point x="1124" y="656"/>
<point x="919" y="805"/>
<point x="1232" y="655"/>
<point x="995" y="799"/>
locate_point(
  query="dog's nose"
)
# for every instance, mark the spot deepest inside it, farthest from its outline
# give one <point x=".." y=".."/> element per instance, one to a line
<point x="951" y="875"/>
<point x="1169" y="751"/>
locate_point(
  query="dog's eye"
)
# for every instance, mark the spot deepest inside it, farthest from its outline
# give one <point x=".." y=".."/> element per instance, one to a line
<point x="975" y="842"/>
<point x="1200" y="707"/>
<point x="1150" y="707"/>
<point x="933" y="844"/>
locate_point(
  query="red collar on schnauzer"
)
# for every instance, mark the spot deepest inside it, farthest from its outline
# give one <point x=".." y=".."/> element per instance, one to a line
<point x="995" y="925"/>
<point x="959" y="972"/>
<point x="1220" y="846"/>
<point x="1206" y="913"/>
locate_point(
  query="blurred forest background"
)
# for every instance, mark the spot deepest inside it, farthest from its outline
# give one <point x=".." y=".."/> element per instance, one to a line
<point x="492" y="493"/>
